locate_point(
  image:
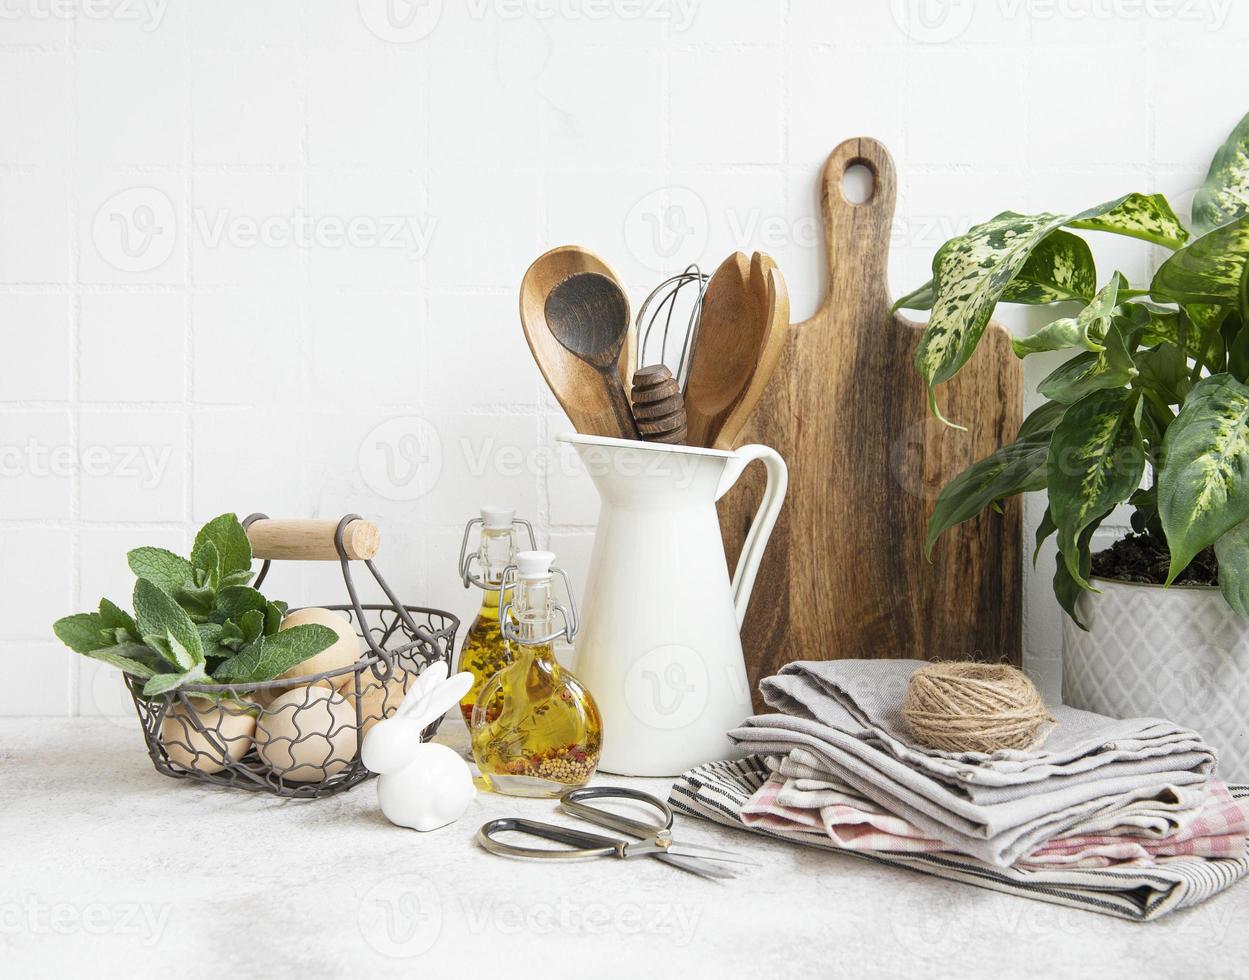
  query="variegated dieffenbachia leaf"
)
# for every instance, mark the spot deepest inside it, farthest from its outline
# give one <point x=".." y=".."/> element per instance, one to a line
<point x="1224" y="196"/>
<point x="1148" y="217"/>
<point x="1208" y="270"/>
<point x="1043" y="531"/>
<point x="1096" y="459"/>
<point x="1016" y="468"/>
<point x="1164" y="371"/>
<point x="1111" y="367"/>
<point x="1060" y="268"/>
<point x="971" y="272"/>
<point x="1232" y="551"/>
<point x="1203" y="480"/>
<point x="1066" y="587"/>
<point x="1084" y="330"/>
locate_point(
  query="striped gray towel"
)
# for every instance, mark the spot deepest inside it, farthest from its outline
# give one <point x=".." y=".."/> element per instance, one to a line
<point x="718" y="791"/>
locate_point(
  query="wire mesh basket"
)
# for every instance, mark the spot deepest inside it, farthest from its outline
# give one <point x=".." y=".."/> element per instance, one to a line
<point x="300" y="737"/>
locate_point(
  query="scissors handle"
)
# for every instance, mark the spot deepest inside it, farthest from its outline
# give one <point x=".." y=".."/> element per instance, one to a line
<point x="583" y="845"/>
<point x="573" y="803"/>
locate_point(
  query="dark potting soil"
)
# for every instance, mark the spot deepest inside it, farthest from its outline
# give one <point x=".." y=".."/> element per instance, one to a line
<point x="1145" y="558"/>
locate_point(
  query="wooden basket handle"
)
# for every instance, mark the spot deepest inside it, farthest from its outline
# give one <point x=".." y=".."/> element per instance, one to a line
<point x="311" y="540"/>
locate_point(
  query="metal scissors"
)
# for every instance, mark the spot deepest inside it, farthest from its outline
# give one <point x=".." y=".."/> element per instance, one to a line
<point x="654" y="837"/>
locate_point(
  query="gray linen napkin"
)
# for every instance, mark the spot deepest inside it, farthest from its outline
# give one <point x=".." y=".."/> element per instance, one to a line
<point x="865" y="697"/>
<point x="998" y="832"/>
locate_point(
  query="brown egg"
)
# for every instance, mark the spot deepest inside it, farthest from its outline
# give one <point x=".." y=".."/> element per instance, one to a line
<point x="307" y="735"/>
<point x="377" y="701"/>
<point x="226" y="723"/>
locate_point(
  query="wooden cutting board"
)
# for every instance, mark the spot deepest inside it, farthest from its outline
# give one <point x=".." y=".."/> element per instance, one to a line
<point x="845" y="574"/>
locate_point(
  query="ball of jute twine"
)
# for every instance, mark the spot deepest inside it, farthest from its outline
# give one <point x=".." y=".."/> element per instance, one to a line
<point x="974" y="707"/>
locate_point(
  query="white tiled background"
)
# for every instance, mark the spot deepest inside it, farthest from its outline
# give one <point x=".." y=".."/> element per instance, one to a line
<point x="264" y="255"/>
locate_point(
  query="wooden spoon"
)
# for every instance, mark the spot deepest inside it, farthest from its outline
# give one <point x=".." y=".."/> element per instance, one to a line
<point x="767" y="286"/>
<point x="740" y="337"/>
<point x="576" y="317"/>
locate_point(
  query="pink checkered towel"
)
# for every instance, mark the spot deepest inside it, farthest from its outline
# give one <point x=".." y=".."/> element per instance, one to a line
<point x="851" y="822"/>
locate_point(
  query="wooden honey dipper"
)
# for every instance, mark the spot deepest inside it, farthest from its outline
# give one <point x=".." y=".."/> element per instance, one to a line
<point x="658" y="407"/>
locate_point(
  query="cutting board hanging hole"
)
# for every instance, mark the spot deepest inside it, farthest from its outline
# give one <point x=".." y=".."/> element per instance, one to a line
<point x="858" y="183"/>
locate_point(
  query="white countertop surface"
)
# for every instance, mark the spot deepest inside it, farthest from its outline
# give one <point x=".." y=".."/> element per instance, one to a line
<point x="107" y="866"/>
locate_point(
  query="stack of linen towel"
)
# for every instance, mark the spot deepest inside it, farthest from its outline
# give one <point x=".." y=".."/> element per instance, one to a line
<point x="1123" y="817"/>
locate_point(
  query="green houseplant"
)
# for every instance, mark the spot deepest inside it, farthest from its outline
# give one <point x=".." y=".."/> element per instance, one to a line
<point x="1151" y="409"/>
<point x="1157" y="383"/>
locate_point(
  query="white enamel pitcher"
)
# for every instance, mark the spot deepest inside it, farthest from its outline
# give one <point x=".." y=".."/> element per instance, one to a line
<point x="659" y="646"/>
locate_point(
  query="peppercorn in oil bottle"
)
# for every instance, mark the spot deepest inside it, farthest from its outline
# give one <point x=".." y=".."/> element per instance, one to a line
<point x="485" y="651"/>
<point x="535" y="729"/>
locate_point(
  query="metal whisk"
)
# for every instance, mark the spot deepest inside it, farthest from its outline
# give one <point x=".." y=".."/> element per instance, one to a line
<point x="658" y="394"/>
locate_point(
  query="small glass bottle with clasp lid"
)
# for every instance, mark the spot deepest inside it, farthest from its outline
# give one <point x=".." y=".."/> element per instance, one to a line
<point x="485" y="650"/>
<point x="535" y="730"/>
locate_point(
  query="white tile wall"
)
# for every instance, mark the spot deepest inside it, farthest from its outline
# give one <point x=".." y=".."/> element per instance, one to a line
<point x="265" y="256"/>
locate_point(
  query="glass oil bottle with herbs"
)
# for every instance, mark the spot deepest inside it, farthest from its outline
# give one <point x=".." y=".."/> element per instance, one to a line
<point x="485" y="651"/>
<point x="535" y="729"/>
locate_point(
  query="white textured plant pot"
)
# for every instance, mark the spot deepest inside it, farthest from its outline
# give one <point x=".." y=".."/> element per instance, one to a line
<point x="1177" y="653"/>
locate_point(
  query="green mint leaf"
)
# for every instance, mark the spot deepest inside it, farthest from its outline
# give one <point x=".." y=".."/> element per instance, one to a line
<point x="133" y="658"/>
<point x="207" y="564"/>
<point x="161" y="683"/>
<point x="271" y="656"/>
<point x="227" y="536"/>
<point x="275" y="612"/>
<point x="162" y="568"/>
<point x="252" y="623"/>
<point x="82" y="632"/>
<point x="114" y="618"/>
<point x="197" y="601"/>
<point x="235" y="578"/>
<point x="236" y="600"/>
<point x="158" y="614"/>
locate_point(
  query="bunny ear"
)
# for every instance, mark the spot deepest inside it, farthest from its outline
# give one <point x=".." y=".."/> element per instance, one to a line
<point x="436" y="702"/>
<point x="429" y="678"/>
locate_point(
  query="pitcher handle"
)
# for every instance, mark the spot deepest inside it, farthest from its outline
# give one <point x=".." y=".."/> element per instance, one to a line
<point x="765" y="517"/>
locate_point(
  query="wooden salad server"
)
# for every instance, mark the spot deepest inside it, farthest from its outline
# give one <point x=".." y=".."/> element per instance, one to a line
<point x="741" y="334"/>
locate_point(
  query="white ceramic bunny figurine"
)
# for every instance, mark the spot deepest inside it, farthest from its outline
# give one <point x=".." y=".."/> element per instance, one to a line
<point x="422" y="785"/>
